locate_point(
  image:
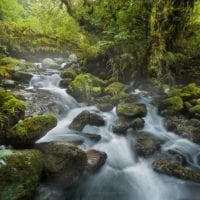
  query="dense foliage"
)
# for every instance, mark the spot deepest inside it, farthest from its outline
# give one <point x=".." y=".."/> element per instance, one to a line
<point x="137" y="37"/>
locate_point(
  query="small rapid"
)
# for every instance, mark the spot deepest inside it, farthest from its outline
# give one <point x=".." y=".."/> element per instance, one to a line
<point x="125" y="176"/>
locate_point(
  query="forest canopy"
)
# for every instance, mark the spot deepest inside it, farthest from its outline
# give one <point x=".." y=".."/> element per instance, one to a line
<point x="137" y="37"/>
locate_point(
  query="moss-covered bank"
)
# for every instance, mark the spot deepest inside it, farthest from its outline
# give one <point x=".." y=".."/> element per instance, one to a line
<point x="19" y="173"/>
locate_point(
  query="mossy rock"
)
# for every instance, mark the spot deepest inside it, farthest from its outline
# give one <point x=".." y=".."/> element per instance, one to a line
<point x="84" y="118"/>
<point x="121" y="126"/>
<point x="11" y="111"/>
<point x="26" y="132"/>
<point x="7" y="64"/>
<point x="68" y="73"/>
<point x="49" y="63"/>
<point x="131" y="110"/>
<point x="85" y="87"/>
<point x="19" y="173"/>
<point x="146" y="144"/>
<point x="171" y="106"/>
<point x="179" y="92"/>
<point x="188" y="128"/>
<point x="192" y="89"/>
<point x="64" y="162"/>
<point x="114" y="88"/>
<point x="195" y="111"/>
<point x="172" y="169"/>
<point x="117" y="92"/>
<point x="9" y="61"/>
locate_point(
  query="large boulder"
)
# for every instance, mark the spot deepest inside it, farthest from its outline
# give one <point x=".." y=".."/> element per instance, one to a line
<point x="49" y="63"/>
<point x="85" y="87"/>
<point x="117" y="91"/>
<point x="172" y="169"/>
<point x="96" y="159"/>
<point x="188" y="128"/>
<point x="120" y="126"/>
<point x="19" y="173"/>
<point x="84" y="118"/>
<point x="11" y="111"/>
<point x="146" y="144"/>
<point x="131" y="110"/>
<point x="171" y="106"/>
<point x="64" y="162"/>
<point x="181" y="100"/>
<point x="26" y="132"/>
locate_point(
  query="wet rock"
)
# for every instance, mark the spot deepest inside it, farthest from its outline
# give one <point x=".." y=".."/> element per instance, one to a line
<point x="177" y="156"/>
<point x="86" y="87"/>
<point x="21" y="76"/>
<point x="72" y="58"/>
<point x="68" y="73"/>
<point x="103" y="100"/>
<point x="26" y="132"/>
<point x="85" y="118"/>
<point x="64" y="162"/>
<point x="172" y="169"/>
<point x="96" y="120"/>
<point x="117" y="91"/>
<point x="105" y="107"/>
<point x="41" y="102"/>
<point x="137" y="123"/>
<point x="49" y="63"/>
<point x="19" y="173"/>
<point x="184" y="127"/>
<point x="131" y="110"/>
<point x="146" y="144"/>
<point x="65" y="82"/>
<point x="121" y="125"/>
<point x="96" y="159"/>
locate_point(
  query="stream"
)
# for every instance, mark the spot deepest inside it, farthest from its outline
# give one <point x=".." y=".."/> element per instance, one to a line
<point x="125" y="176"/>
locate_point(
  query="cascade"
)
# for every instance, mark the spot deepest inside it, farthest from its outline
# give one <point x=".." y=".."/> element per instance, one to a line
<point x="125" y="176"/>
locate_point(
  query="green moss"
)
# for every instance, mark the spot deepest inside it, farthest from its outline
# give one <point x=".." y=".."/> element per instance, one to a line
<point x="11" y="110"/>
<point x="172" y="105"/>
<point x="172" y="169"/>
<point x="26" y="132"/>
<point x="195" y="111"/>
<point x="68" y="73"/>
<point x="96" y="91"/>
<point x="187" y="105"/>
<point x="85" y="86"/>
<point x="9" y="61"/>
<point x="131" y="110"/>
<point x="192" y="89"/>
<point x="64" y="157"/>
<point x="19" y="173"/>
<point x="114" y="88"/>
<point x="6" y="64"/>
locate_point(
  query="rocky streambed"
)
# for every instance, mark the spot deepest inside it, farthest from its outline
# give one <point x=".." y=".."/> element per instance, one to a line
<point x="75" y="136"/>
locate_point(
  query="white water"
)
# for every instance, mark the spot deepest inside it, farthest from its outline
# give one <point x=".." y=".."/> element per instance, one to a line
<point x="124" y="176"/>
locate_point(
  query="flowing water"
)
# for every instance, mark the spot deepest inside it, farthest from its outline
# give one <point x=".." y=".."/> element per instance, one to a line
<point x="125" y="176"/>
